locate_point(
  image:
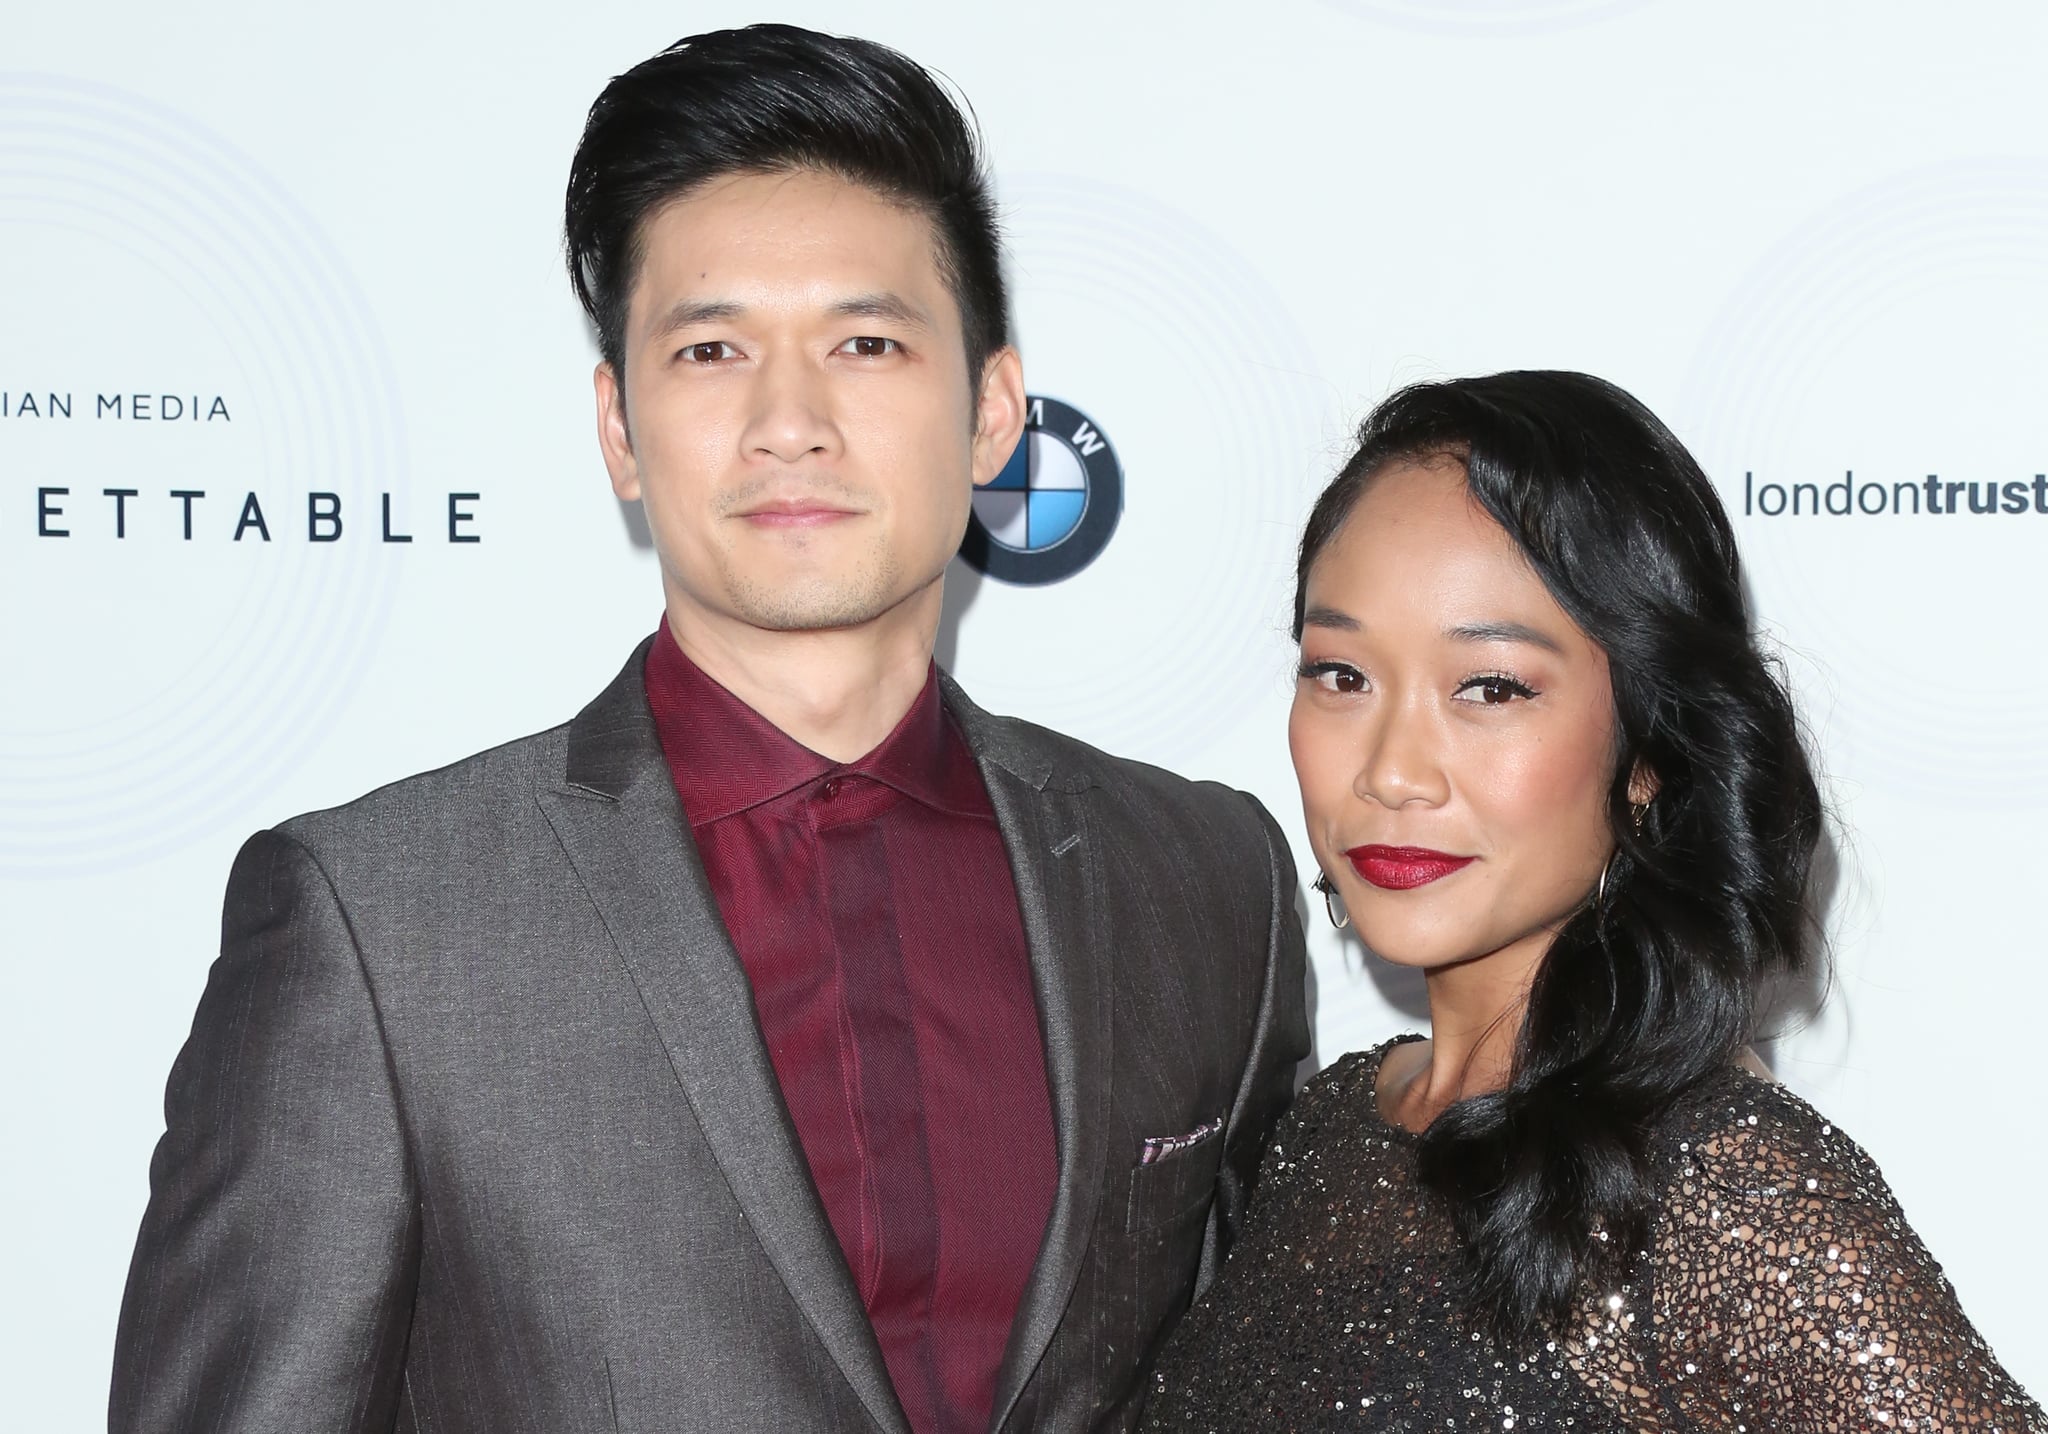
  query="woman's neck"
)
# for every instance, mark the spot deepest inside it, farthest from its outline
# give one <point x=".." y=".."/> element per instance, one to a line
<point x="1475" y="1019"/>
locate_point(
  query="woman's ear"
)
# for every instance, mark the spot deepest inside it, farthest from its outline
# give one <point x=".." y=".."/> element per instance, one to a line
<point x="1642" y="784"/>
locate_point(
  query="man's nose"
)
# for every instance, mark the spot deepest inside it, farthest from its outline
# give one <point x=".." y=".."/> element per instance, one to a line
<point x="790" y="413"/>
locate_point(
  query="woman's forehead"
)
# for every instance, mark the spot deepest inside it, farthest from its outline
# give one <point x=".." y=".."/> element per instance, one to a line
<point x="1418" y="553"/>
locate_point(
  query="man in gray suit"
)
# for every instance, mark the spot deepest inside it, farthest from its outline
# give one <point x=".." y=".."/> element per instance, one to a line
<point x="784" y="1043"/>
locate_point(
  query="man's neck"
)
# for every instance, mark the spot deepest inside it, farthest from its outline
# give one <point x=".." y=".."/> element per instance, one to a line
<point x="840" y="691"/>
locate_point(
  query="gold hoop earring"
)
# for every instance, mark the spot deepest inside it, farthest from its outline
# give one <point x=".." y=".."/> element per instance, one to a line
<point x="1322" y="884"/>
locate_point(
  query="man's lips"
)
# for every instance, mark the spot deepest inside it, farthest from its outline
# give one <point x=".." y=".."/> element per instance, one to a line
<point x="795" y="512"/>
<point x="1402" y="868"/>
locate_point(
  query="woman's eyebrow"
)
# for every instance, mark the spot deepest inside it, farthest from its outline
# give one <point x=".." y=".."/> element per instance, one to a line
<point x="1504" y="632"/>
<point x="1331" y="618"/>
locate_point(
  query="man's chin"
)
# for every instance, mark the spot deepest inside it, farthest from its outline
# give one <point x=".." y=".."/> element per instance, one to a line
<point x="814" y="607"/>
<point x="806" y="619"/>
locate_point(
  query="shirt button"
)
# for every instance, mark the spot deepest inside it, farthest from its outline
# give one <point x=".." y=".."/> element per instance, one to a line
<point x="830" y="789"/>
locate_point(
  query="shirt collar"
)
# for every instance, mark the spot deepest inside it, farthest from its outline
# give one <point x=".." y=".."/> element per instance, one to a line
<point x="726" y="758"/>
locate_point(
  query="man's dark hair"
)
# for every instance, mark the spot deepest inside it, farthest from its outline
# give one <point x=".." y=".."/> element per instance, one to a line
<point x="770" y="99"/>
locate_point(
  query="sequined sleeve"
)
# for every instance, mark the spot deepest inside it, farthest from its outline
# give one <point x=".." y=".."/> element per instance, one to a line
<point x="1792" y="1295"/>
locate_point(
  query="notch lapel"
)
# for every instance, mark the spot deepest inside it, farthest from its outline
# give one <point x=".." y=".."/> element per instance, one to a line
<point x="1043" y="815"/>
<point x="618" y="819"/>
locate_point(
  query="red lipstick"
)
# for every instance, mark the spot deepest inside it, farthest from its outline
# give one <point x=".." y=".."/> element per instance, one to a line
<point x="1403" y="868"/>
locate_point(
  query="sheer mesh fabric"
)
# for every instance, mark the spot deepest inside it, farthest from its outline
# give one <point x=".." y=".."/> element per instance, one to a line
<point x="1782" y="1290"/>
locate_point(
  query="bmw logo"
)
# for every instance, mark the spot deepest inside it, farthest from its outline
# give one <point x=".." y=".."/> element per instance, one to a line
<point x="1054" y="507"/>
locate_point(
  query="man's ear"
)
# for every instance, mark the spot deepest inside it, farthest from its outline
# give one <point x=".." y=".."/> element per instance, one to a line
<point x="998" y="414"/>
<point x="614" y="437"/>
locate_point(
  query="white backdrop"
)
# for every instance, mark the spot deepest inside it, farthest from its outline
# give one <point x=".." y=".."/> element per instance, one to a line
<point x="321" y="247"/>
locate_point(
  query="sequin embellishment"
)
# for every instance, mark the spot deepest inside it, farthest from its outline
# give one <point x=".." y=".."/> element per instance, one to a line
<point x="1782" y="1290"/>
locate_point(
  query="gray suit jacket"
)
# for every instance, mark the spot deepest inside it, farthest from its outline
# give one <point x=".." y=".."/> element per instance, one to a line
<point x="475" y="1129"/>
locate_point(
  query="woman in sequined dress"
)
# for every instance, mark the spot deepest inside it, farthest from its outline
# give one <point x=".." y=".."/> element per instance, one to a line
<point x="1543" y="761"/>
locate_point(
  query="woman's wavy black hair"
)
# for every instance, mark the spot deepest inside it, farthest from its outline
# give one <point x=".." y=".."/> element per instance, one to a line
<point x="1652" y="986"/>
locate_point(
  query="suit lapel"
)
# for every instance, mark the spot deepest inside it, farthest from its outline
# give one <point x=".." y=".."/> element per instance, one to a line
<point x="618" y="819"/>
<point x="1043" y="814"/>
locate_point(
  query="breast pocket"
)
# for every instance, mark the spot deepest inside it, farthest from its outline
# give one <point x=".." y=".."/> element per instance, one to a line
<point x="1175" y="1186"/>
<point x="1165" y="1218"/>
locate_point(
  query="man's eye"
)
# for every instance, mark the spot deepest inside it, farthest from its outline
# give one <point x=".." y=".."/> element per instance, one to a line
<point x="868" y="346"/>
<point x="708" y="352"/>
<point x="1493" y="689"/>
<point x="1334" y="676"/>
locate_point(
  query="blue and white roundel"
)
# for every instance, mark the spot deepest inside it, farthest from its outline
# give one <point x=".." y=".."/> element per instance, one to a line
<point x="1053" y="508"/>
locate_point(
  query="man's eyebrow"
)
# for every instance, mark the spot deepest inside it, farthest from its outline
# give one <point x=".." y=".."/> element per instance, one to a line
<point x="1329" y="617"/>
<point x="1504" y="632"/>
<point x="883" y="305"/>
<point x="687" y="312"/>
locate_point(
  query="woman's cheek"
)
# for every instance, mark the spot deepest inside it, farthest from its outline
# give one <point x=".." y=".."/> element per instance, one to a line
<point x="1553" y="787"/>
<point x="1319" y="748"/>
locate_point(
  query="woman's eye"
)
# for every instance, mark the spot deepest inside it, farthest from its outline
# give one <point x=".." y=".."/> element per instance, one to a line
<point x="1334" y="676"/>
<point x="1492" y="690"/>
<point x="869" y="346"/>
<point x="709" y="352"/>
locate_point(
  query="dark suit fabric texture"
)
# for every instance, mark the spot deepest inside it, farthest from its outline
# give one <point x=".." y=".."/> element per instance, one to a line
<point x="475" y="1129"/>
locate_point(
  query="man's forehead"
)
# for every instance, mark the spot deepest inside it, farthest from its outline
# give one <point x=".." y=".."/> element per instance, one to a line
<point x="804" y="241"/>
<point x="804" y="218"/>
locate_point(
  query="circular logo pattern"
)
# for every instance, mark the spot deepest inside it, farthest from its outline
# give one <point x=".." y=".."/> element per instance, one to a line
<point x="1818" y="367"/>
<point x="248" y="661"/>
<point x="1054" y="507"/>
<point x="1205" y="567"/>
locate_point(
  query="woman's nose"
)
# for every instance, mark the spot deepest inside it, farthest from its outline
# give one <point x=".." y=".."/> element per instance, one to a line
<point x="1401" y="762"/>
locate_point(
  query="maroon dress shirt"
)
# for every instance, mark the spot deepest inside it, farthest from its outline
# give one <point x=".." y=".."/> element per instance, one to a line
<point x="872" y="905"/>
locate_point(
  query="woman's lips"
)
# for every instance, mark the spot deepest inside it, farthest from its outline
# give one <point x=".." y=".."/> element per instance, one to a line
<point x="1402" y="868"/>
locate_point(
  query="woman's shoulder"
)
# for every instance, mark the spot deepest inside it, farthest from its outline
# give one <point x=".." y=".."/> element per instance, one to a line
<point x="1350" y="1074"/>
<point x="1344" y="1089"/>
<point x="1755" y="1140"/>
<point x="1333" y="1121"/>
<point x="1787" y="1277"/>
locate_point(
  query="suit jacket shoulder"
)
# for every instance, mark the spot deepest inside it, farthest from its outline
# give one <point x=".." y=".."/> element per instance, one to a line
<point x="473" y="818"/>
<point x="1205" y="823"/>
<point x="445" y="798"/>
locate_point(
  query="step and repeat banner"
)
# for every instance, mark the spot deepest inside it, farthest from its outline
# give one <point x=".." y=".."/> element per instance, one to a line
<point x="299" y="491"/>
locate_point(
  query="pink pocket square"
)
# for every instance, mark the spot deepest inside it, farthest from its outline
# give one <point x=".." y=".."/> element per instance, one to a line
<point x="1160" y="1147"/>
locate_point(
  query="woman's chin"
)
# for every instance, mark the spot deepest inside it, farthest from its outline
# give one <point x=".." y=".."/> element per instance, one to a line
<point x="1399" y="945"/>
